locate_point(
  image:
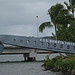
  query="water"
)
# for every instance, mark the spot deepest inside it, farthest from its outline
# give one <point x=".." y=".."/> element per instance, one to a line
<point x="22" y="68"/>
<point x="19" y="57"/>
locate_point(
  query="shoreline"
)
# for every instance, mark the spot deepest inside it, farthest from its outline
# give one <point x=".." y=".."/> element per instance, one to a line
<point x="18" y="61"/>
<point x="64" y="65"/>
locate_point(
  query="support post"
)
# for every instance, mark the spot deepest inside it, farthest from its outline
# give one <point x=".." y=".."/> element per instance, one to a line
<point x="26" y="55"/>
<point x="33" y="54"/>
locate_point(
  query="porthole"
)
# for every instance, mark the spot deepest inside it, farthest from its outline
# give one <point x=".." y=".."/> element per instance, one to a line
<point x="54" y="44"/>
<point x="28" y="41"/>
<point x="21" y="40"/>
<point x="34" y="42"/>
<point x="61" y="46"/>
<point x="48" y="44"/>
<point x="68" y="46"/>
<point x="14" y="39"/>
<point x="41" y="43"/>
<point x="74" y="47"/>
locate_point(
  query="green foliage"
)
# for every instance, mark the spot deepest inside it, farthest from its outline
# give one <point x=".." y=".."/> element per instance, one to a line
<point x="47" y="57"/>
<point x="50" y="63"/>
<point x="73" y="2"/>
<point x="55" y="61"/>
<point x="64" y="19"/>
<point x="44" y="25"/>
<point x="68" y="33"/>
<point x="56" y="58"/>
<point x="67" y="64"/>
<point x="60" y="17"/>
<point x="65" y="32"/>
<point x="71" y="6"/>
<point x="45" y="60"/>
<point x="54" y="11"/>
<point x="64" y="23"/>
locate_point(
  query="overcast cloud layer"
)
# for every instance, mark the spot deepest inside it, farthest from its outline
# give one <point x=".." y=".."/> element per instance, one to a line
<point x="18" y="17"/>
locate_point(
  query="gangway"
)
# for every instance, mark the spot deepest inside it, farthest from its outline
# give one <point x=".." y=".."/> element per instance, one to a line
<point x="37" y="43"/>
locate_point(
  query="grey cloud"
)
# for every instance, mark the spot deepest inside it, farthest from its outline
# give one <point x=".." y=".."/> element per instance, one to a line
<point x="19" y="16"/>
<point x="13" y="12"/>
<point x="23" y="30"/>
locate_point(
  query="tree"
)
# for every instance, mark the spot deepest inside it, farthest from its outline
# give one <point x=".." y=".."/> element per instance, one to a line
<point x="64" y="18"/>
<point x="53" y="13"/>
<point x="66" y="33"/>
<point x="44" y="25"/>
<point x="70" y="6"/>
<point x="60" y="18"/>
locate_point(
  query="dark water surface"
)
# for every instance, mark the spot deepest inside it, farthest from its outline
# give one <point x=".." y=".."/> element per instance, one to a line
<point x="23" y="68"/>
<point x="9" y="67"/>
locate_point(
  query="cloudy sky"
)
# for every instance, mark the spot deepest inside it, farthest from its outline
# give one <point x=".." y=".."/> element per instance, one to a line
<point x="18" y="17"/>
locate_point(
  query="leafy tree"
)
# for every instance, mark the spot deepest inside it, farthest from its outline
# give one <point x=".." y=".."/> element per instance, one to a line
<point x="70" y="6"/>
<point x="53" y="12"/>
<point x="44" y="25"/>
<point x="59" y="16"/>
<point x="66" y="33"/>
<point x="64" y="17"/>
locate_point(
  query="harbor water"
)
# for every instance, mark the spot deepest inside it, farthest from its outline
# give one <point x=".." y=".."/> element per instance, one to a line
<point x="9" y="66"/>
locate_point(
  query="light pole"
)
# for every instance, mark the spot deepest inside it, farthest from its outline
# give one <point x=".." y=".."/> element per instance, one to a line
<point x="37" y="25"/>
